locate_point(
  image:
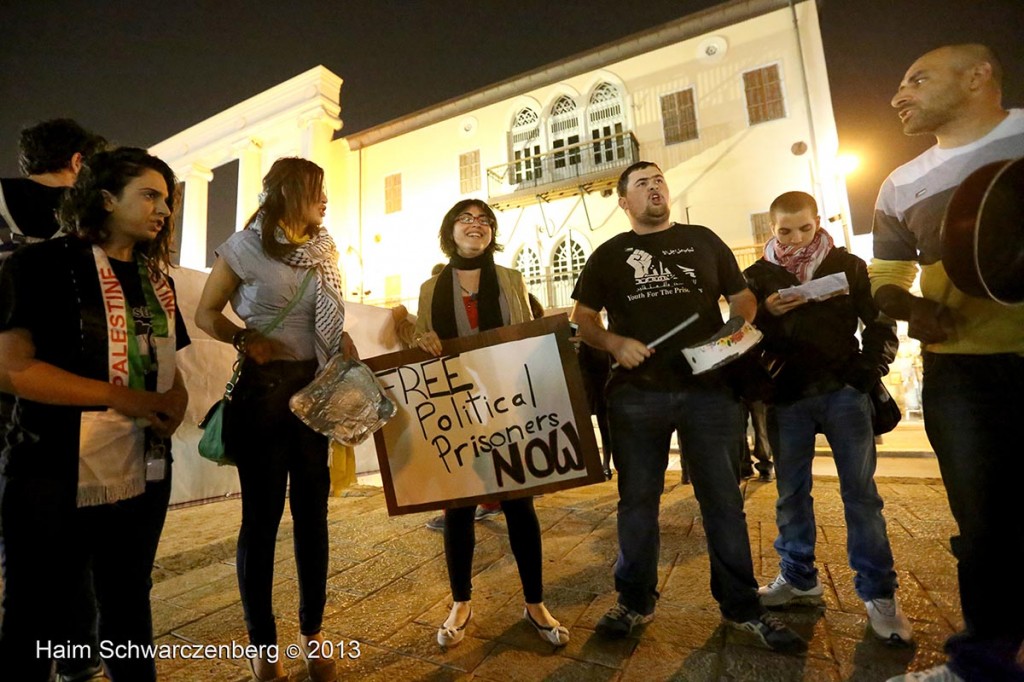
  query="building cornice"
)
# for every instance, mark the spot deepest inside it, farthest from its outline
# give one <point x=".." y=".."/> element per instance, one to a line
<point x="310" y="96"/>
<point x="684" y="28"/>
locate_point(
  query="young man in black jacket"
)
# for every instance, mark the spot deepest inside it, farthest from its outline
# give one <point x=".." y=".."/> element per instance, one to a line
<point x="823" y="387"/>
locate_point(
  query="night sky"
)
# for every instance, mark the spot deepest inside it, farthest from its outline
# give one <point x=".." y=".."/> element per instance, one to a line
<point x="141" y="71"/>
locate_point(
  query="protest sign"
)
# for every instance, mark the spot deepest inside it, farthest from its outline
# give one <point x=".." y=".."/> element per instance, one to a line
<point x="498" y="415"/>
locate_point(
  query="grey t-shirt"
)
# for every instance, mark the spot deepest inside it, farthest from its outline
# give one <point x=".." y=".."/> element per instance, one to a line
<point x="268" y="285"/>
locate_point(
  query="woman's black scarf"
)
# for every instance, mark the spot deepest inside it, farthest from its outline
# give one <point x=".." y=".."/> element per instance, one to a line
<point x="442" y="309"/>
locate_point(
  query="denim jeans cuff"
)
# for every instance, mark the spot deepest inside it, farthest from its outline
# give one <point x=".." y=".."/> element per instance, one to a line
<point x="641" y="601"/>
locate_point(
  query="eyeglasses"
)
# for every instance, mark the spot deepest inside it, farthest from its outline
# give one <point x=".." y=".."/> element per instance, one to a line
<point x="469" y="219"/>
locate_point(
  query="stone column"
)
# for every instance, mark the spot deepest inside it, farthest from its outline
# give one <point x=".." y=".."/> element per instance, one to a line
<point x="250" y="180"/>
<point x="317" y="130"/>
<point x="193" y="216"/>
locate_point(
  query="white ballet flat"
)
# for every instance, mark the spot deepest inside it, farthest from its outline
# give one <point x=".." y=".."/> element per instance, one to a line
<point x="450" y="636"/>
<point x="556" y="635"/>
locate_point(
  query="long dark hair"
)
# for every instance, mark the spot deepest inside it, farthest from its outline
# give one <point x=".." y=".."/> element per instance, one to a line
<point x="83" y="211"/>
<point x="289" y="187"/>
<point x="446" y="235"/>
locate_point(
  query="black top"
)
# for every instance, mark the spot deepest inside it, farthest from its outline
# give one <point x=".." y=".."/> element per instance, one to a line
<point x="817" y="341"/>
<point x="649" y="284"/>
<point x="52" y="290"/>
<point x="33" y="208"/>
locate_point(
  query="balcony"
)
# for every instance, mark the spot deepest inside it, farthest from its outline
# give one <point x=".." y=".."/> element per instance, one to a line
<point x="591" y="166"/>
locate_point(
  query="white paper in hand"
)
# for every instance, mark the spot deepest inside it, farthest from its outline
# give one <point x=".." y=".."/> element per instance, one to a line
<point x="818" y="289"/>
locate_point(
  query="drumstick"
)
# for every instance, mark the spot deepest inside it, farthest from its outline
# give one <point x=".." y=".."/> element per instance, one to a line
<point x="671" y="332"/>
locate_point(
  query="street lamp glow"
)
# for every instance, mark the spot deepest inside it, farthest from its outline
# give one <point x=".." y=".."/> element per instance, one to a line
<point x="847" y="163"/>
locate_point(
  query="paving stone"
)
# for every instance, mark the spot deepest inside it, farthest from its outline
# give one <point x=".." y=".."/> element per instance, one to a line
<point x="213" y="596"/>
<point x="686" y="628"/>
<point x="191" y="579"/>
<point x="661" y="661"/>
<point x="168" y="617"/>
<point x="377" y="663"/>
<point x="222" y="627"/>
<point x="870" y="659"/>
<point x="388" y="590"/>
<point x="374" y="573"/>
<point x="763" y="665"/>
<point x="420" y="641"/>
<point x="509" y="663"/>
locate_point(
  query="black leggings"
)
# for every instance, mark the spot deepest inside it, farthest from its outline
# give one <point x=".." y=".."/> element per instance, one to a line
<point x="523" y="536"/>
<point x="273" y="448"/>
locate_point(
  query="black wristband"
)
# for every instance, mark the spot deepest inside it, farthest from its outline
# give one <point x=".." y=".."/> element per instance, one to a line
<point x="241" y="338"/>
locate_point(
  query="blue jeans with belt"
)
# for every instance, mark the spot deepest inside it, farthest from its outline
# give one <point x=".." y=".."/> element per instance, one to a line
<point x="973" y="413"/>
<point x="844" y="416"/>
<point x="710" y="425"/>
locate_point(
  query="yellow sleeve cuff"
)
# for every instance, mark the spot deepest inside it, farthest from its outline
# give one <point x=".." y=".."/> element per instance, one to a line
<point x="900" y="273"/>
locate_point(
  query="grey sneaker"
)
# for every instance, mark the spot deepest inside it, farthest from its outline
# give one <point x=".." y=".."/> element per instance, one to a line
<point x="772" y="633"/>
<point x="436" y="523"/>
<point x="486" y="511"/>
<point x="888" y="622"/>
<point x="620" y="621"/>
<point x="940" y="673"/>
<point x="781" y="593"/>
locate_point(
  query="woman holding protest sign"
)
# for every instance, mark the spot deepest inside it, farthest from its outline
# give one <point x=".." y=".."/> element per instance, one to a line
<point x="291" y="331"/>
<point x="472" y="294"/>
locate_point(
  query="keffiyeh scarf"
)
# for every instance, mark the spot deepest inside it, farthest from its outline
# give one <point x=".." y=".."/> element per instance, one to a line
<point x="320" y="253"/>
<point x="802" y="261"/>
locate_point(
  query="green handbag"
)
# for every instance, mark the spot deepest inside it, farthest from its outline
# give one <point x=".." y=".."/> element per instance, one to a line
<point x="211" y="445"/>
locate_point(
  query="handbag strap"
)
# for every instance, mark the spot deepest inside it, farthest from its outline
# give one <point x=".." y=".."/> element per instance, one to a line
<point x="266" y="330"/>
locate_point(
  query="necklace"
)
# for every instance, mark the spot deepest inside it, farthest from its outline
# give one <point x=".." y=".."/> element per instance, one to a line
<point x="471" y="294"/>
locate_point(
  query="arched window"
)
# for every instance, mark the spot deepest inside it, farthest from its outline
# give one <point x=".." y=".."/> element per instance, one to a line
<point x="528" y="263"/>
<point x="564" y="127"/>
<point x="567" y="262"/>
<point x="606" y="120"/>
<point x="525" y="147"/>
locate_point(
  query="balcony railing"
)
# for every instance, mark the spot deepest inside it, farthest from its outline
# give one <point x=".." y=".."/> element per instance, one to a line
<point x="592" y="165"/>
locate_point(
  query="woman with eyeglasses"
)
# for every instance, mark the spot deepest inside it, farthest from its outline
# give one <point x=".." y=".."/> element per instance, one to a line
<point x="472" y="294"/>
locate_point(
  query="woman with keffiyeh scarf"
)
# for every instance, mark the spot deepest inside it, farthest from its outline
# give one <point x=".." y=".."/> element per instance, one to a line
<point x="472" y="294"/>
<point x="260" y="270"/>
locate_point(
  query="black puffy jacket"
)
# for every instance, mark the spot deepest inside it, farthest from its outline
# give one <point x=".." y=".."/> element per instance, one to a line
<point x="817" y="341"/>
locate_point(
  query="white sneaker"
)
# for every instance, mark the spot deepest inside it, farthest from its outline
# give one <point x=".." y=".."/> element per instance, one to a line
<point x="941" y="673"/>
<point x="888" y="622"/>
<point x="781" y="593"/>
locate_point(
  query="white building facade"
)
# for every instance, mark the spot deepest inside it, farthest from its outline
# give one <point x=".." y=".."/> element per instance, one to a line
<point x="732" y="103"/>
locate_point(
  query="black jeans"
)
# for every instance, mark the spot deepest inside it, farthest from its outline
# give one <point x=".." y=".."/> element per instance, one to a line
<point x="523" y="536"/>
<point x="973" y="412"/>
<point x="117" y="544"/>
<point x="36" y="527"/>
<point x="271" y="447"/>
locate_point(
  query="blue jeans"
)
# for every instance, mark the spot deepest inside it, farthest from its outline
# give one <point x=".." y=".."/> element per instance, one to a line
<point x="973" y="413"/>
<point x="844" y="416"/>
<point x="710" y="426"/>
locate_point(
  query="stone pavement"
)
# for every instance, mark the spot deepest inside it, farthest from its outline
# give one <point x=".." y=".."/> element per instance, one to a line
<point x="388" y="590"/>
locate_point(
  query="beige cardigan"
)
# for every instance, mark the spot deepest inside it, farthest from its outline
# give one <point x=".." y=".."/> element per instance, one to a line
<point x="511" y="284"/>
